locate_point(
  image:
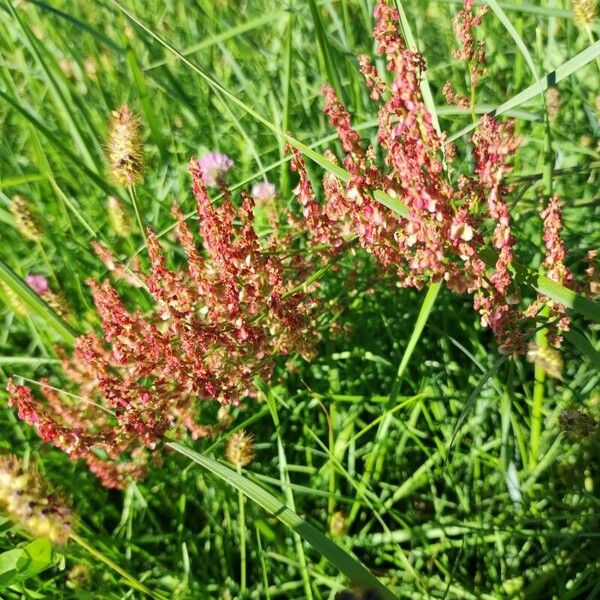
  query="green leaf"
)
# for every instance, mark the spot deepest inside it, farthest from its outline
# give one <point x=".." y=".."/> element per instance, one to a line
<point x="338" y="557"/>
<point x="22" y="563"/>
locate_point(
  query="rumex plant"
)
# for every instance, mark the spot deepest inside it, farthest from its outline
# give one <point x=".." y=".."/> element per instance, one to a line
<point x="215" y="325"/>
<point x="445" y="237"/>
<point x="218" y="323"/>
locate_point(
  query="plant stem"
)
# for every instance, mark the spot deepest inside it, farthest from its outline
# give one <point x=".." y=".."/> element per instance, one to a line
<point x="242" y="534"/>
<point x="134" y="583"/>
<point x="136" y="208"/>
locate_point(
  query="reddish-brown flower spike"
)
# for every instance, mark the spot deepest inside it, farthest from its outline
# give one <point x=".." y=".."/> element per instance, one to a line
<point x="214" y="326"/>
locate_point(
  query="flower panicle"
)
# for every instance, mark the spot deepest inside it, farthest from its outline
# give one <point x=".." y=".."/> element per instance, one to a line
<point x="584" y="12"/>
<point x="215" y="324"/>
<point x="441" y="237"/>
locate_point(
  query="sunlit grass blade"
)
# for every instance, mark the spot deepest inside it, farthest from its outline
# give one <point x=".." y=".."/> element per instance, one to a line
<point x="55" y="141"/>
<point x="425" y="87"/>
<point x="499" y="12"/>
<point x="428" y="303"/>
<point x="562" y="72"/>
<point x="56" y="92"/>
<point x="231" y="32"/>
<point x="470" y="403"/>
<point x="584" y="346"/>
<point x="131" y="581"/>
<point x="374" y="459"/>
<point x="146" y="101"/>
<point x="337" y="556"/>
<point x="324" y="51"/>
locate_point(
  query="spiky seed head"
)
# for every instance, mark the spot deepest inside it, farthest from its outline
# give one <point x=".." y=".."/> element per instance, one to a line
<point x="79" y="577"/>
<point x="25" y="497"/>
<point x="584" y="12"/>
<point x="119" y="219"/>
<point x="12" y="300"/>
<point x="90" y="66"/>
<point x="25" y="220"/>
<point x="577" y="423"/>
<point x="224" y="417"/>
<point x="124" y="147"/>
<point x="338" y="524"/>
<point x="547" y="358"/>
<point x="240" y="449"/>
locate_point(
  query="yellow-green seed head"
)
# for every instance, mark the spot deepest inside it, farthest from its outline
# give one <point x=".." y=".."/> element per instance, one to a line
<point x="338" y="525"/>
<point x="25" y="497"/>
<point x="119" y="219"/>
<point x="13" y="301"/>
<point x="553" y="102"/>
<point x="584" y="12"/>
<point x="124" y="147"/>
<point x="25" y="220"/>
<point x="547" y="358"/>
<point x="240" y="449"/>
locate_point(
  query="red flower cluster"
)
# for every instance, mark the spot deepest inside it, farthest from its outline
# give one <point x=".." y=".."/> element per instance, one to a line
<point x="471" y="51"/>
<point x="443" y="236"/>
<point x="214" y="326"/>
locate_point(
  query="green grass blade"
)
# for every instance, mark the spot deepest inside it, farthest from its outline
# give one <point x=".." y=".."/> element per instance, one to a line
<point x="517" y="39"/>
<point x="231" y="32"/>
<point x="374" y="460"/>
<point x="131" y="581"/>
<point x="584" y="346"/>
<point x="337" y="556"/>
<point x="576" y="302"/>
<point x="147" y="104"/>
<point x="424" y="312"/>
<point x="56" y="93"/>
<point x="562" y="72"/>
<point x="328" y="69"/>
<point x="55" y="141"/>
<point x="425" y="87"/>
<point x="37" y="306"/>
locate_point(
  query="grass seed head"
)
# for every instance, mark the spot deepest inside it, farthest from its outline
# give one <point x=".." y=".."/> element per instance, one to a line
<point x="119" y="219"/>
<point x="584" y="12"/>
<point x="25" y="220"/>
<point x="577" y="423"/>
<point x="240" y="449"/>
<point x="547" y="358"/>
<point x="124" y="147"/>
<point x="25" y="497"/>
